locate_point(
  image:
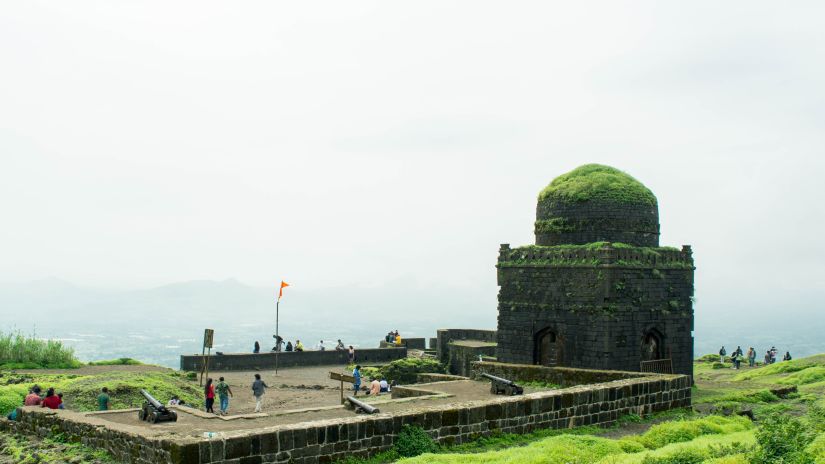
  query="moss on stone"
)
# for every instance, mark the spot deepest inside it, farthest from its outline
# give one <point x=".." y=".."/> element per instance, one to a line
<point x="597" y="182"/>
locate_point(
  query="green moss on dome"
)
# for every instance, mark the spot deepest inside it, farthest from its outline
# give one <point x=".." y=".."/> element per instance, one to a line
<point x="598" y="182"/>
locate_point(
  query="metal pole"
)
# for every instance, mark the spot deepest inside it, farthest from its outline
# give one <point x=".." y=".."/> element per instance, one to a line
<point x="277" y="335"/>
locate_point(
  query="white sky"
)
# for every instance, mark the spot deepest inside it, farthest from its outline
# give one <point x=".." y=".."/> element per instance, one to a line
<point x="355" y="143"/>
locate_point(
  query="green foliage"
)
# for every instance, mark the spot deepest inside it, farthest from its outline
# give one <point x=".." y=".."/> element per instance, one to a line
<point x="717" y="365"/>
<point x="708" y="358"/>
<point x="805" y="376"/>
<point x="116" y="362"/>
<point x="783" y="367"/>
<point x="413" y="441"/>
<point x="403" y="371"/>
<point x="540" y="384"/>
<point x="686" y="430"/>
<point x="51" y="450"/>
<point x="817" y="449"/>
<point x="27" y="352"/>
<point x="783" y="439"/>
<point x="80" y="391"/>
<point x="554" y="225"/>
<point x="596" y="182"/>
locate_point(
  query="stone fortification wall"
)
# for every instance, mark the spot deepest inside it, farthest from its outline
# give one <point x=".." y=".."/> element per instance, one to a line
<point x="563" y="376"/>
<point x="445" y="336"/>
<point x="560" y="223"/>
<point x="361" y="436"/>
<point x="463" y="354"/>
<point x="250" y="361"/>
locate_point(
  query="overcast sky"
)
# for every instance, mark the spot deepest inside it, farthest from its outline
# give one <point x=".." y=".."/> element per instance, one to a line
<point x="356" y="143"/>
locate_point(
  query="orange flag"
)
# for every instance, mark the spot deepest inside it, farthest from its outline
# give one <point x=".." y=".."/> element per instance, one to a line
<point x="281" y="291"/>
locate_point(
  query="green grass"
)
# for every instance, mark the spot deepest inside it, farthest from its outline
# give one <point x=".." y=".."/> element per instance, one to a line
<point x="805" y="376"/>
<point x="698" y="450"/>
<point x="18" y="351"/>
<point x="52" y="450"/>
<point x="671" y="432"/>
<point x="80" y="391"/>
<point x="596" y="182"/>
<point x="783" y="367"/>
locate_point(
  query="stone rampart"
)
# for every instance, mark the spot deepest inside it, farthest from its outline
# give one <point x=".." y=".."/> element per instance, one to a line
<point x="361" y="436"/>
<point x="250" y="361"/>
<point x="445" y="336"/>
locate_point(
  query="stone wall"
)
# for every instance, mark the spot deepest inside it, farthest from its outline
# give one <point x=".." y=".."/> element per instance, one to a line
<point x="563" y="376"/>
<point x="463" y="354"/>
<point x="600" y="305"/>
<point x="362" y="436"/>
<point x="445" y="336"/>
<point x="250" y="361"/>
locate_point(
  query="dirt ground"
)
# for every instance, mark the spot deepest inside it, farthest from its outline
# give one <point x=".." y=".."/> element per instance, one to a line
<point x="296" y="395"/>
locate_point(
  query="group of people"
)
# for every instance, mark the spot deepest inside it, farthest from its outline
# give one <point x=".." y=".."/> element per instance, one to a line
<point x="737" y="355"/>
<point x="393" y="337"/>
<point x="298" y="346"/>
<point x="223" y="392"/>
<point x="376" y="386"/>
<point x="54" y="400"/>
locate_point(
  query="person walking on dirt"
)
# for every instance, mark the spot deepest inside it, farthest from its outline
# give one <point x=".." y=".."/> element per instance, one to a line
<point x="224" y="392"/>
<point x="209" y="392"/>
<point x="258" y="389"/>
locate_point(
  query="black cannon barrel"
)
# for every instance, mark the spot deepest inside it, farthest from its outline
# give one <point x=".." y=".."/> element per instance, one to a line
<point x="155" y="403"/>
<point x="362" y="406"/>
<point x="498" y="379"/>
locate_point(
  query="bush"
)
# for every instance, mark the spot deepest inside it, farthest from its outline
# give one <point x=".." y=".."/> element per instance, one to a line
<point x="817" y="449"/>
<point x="717" y="365"/>
<point x="403" y="371"/>
<point x="708" y="358"/>
<point x="412" y="441"/>
<point x="782" y="439"/>
<point x="681" y="456"/>
<point x="27" y="352"/>
<point x="116" y="362"/>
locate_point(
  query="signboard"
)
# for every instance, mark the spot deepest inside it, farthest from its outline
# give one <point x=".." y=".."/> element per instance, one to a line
<point x="341" y="377"/>
<point x="208" y="334"/>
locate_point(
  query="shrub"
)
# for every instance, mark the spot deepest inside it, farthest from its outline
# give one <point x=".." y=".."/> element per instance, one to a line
<point x="817" y="449"/>
<point x="116" y="362"/>
<point x="27" y="352"/>
<point x="680" y="456"/>
<point x="708" y="358"/>
<point x="406" y="370"/>
<point x="412" y="441"/>
<point x="717" y="365"/>
<point x="782" y="439"/>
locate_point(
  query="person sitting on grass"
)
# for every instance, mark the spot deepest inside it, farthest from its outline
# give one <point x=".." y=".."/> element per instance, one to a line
<point x="103" y="400"/>
<point x="33" y="398"/>
<point x="61" y="405"/>
<point x="787" y="356"/>
<point x="51" y="400"/>
<point x="375" y="387"/>
<point x="175" y="401"/>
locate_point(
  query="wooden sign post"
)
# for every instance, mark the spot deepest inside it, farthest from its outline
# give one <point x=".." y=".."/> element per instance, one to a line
<point x="208" y="336"/>
<point x="343" y="378"/>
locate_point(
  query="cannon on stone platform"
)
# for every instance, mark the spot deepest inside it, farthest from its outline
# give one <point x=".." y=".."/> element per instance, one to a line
<point x="154" y="412"/>
<point x="499" y="386"/>
<point x="360" y="406"/>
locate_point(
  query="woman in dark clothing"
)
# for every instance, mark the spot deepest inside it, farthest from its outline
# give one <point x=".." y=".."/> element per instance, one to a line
<point x="257" y="348"/>
<point x="209" y="392"/>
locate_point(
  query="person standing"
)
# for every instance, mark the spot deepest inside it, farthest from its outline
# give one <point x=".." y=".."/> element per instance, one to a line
<point x="103" y="400"/>
<point x="751" y="357"/>
<point x="258" y="389"/>
<point x="722" y="354"/>
<point x="351" y="355"/>
<point x="224" y="392"/>
<point x="209" y="393"/>
<point x="257" y="348"/>
<point x="356" y="384"/>
<point x="774" y="351"/>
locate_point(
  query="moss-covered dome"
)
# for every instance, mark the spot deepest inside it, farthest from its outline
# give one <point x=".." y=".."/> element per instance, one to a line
<point x="595" y="203"/>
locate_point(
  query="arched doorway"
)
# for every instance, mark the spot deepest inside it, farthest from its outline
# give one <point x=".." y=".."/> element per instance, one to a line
<point x="651" y="348"/>
<point x="548" y="348"/>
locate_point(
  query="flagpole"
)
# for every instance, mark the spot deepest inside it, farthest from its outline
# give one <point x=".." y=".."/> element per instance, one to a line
<point x="277" y="338"/>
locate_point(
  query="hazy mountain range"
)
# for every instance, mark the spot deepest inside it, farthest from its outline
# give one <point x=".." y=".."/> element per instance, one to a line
<point x="158" y="324"/>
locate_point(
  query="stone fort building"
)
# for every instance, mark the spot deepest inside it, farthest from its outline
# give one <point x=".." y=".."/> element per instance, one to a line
<point x="596" y="290"/>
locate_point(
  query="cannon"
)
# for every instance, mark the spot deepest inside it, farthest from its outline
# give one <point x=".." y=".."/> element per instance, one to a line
<point x="361" y="407"/>
<point x="154" y="412"/>
<point x="499" y="386"/>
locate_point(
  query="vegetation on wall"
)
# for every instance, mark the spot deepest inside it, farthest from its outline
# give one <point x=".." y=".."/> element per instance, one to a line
<point x="596" y="182"/>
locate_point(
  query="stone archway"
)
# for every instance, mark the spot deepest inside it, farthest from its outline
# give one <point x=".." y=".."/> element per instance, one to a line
<point x="652" y="347"/>
<point x="548" y="348"/>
